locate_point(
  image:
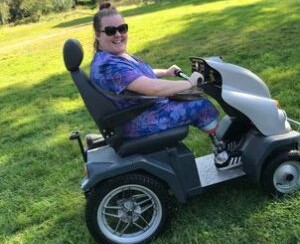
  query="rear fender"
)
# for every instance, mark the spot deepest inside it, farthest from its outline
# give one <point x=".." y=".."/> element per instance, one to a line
<point x="97" y="172"/>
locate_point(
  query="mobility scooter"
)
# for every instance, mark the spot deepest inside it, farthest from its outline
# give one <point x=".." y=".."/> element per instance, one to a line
<point x="129" y="183"/>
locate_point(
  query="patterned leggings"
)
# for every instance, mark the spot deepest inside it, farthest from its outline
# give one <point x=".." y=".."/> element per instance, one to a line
<point x="167" y="114"/>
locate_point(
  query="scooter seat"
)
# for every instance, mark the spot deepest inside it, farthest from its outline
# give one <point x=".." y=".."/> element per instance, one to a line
<point x="153" y="142"/>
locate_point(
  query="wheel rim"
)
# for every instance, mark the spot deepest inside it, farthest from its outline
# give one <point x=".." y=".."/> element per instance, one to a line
<point x="286" y="177"/>
<point x="129" y="214"/>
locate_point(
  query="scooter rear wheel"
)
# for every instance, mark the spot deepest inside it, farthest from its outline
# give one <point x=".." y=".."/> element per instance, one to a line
<point x="281" y="175"/>
<point x="131" y="208"/>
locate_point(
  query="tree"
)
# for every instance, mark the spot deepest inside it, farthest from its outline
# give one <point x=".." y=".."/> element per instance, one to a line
<point x="4" y="12"/>
<point x="30" y="10"/>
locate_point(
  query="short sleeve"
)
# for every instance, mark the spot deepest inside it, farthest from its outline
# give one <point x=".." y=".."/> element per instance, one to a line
<point x="118" y="74"/>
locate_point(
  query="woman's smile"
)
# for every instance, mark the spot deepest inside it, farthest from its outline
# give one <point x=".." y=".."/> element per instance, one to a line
<point x="113" y="43"/>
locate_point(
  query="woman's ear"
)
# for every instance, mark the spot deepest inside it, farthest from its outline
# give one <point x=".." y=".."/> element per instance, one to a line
<point x="97" y="35"/>
<point x="97" y="38"/>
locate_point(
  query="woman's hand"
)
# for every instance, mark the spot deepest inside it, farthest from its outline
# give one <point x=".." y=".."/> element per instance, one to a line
<point x="172" y="70"/>
<point x="160" y="73"/>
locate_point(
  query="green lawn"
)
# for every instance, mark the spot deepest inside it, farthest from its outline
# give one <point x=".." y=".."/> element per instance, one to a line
<point x="41" y="171"/>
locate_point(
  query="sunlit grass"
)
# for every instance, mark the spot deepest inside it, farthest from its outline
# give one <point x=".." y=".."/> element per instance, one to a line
<point x="40" y="170"/>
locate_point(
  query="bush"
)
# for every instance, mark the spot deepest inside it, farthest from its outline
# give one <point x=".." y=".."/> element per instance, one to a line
<point x="30" y="8"/>
<point x="61" y="5"/>
<point x="23" y="11"/>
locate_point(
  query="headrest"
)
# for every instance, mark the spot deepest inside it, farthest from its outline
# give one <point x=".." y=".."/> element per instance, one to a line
<point x="73" y="54"/>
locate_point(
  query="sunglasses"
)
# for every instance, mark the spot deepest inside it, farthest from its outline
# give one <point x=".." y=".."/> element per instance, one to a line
<point x="112" y="30"/>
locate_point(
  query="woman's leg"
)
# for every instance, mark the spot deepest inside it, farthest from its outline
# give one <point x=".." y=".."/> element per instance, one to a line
<point x="166" y="115"/>
<point x="163" y="116"/>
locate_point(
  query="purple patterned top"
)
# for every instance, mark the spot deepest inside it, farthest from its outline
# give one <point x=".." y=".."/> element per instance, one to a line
<point x="115" y="73"/>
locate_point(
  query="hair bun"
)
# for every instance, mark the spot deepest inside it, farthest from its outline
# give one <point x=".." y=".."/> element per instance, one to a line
<point x="104" y="5"/>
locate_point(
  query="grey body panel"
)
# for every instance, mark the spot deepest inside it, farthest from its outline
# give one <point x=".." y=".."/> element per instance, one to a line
<point x="257" y="148"/>
<point x="169" y="165"/>
<point x="177" y="167"/>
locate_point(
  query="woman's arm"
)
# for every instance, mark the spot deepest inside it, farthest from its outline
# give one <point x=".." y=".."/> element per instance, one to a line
<point x="162" y="87"/>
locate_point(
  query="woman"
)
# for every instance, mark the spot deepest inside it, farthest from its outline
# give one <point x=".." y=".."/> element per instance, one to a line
<point x="116" y="70"/>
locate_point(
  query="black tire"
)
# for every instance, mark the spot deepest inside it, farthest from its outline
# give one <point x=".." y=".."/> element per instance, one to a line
<point x="130" y="195"/>
<point x="281" y="175"/>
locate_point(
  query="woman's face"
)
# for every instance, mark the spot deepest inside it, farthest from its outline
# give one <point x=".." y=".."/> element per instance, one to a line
<point x="112" y="43"/>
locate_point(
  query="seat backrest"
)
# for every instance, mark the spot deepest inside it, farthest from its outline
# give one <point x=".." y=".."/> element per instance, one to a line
<point x="97" y="104"/>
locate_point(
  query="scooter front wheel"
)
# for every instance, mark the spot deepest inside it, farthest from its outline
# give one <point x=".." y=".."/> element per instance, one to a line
<point x="127" y="209"/>
<point x="281" y="175"/>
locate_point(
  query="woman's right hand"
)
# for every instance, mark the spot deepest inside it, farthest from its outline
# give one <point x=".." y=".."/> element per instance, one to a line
<point x="172" y="70"/>
<point x="194" y="79"/>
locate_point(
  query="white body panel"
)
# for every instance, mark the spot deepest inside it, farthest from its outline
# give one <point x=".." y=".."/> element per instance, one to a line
<point x="247" y="93"/>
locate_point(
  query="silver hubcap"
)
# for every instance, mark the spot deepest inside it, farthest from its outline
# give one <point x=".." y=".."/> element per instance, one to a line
<point x="286" y="177"/>
<point x="129" y="214"/>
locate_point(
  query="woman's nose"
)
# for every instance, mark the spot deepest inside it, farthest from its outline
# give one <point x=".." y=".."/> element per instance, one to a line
<point x="118" y="33"/>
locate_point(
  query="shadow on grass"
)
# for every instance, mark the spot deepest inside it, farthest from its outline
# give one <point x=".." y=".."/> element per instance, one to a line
<point x="244" y="35"/>
<point x="38" y="105"/>
<point x="164" y="5"/>
<point x="245" y="28"/>
<point x="79" y="21"/>
<point x="42" y="169"/>
<point x="139" y="10"/>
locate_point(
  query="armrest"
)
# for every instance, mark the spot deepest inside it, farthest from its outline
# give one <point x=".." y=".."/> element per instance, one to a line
<point x="124" y="115"/>
<point x="194" y="93"/>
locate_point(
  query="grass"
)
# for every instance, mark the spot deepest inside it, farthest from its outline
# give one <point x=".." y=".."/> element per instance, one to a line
<point x="40" y="170"/>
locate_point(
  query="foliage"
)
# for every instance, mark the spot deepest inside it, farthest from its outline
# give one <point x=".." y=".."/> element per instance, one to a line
<point x="125" y="2"/>
<point x="4" y="11"/>
<point x="20" y="11"/>
<point x="24" y="11"/>
<point x="41" y="171"/>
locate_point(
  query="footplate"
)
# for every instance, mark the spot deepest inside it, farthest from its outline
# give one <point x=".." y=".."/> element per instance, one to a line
<point x="210" y="175"/>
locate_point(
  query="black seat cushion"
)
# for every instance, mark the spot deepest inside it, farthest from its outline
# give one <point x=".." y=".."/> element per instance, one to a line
<point x="153" y="142"/>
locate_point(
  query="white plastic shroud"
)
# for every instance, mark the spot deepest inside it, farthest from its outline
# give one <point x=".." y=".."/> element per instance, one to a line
<point x="246" y="92"/>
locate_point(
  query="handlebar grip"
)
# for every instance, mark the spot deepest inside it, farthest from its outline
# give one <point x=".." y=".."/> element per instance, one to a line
<point x="180" y="74"/>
